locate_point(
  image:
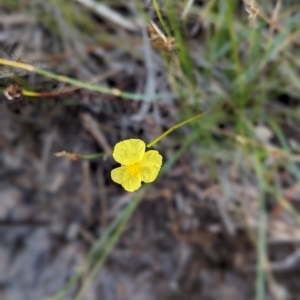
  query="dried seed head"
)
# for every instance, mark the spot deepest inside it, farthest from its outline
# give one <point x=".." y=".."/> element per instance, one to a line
<point x="153" y="34"/>
<point x="159" y="40"/>
<point x="252" y="10"/>
<point x="13" y="92"/>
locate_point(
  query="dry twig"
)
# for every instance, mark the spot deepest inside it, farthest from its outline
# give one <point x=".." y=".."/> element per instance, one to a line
<point x="93" y="127"/>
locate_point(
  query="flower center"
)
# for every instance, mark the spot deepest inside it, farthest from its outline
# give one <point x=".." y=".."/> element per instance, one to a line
<point x="134" y="169"/>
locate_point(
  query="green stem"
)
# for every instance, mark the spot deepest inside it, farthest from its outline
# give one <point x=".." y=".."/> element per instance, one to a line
<point x="176" y="127"/>
<point x="262" y="228"/>
<point x="97" y="247"/>
<point x="92" y="156"/>
<point x="92" y="87"/>
<point x="110" y="244"/>
<point x="156" y="7"/>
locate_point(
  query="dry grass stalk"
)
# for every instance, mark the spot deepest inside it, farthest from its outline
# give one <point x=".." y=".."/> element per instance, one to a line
<point x="274" y="18"/>
<point x="252" y="10"/>
<point x="69" y="155"/>
<point x="92" y="126"/>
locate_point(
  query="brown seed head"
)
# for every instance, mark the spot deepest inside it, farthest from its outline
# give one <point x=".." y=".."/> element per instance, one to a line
<point x="159" y="40"/>
<point x="13" y="92"/>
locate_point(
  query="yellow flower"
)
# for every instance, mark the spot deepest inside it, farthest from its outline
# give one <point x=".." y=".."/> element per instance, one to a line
<point x="137" y="165"/>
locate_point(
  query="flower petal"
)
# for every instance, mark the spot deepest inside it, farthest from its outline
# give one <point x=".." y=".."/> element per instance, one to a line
<point x="129" y="152"/>
<point x="118" y="174"/>
<point x="132" y="183"/>
<point x="150" y="165"/>
<point x="129" y="183"/>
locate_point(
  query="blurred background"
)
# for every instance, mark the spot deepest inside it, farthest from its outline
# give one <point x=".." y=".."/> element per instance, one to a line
<point x="222" y="220"/>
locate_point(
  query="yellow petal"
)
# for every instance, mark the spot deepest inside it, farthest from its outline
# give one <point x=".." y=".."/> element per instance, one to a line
<point x="118" y="174"/>
<point x="150" y="165"/>
<point x="129" y="183"/>
<point x="129" y="152"/>
<point x="132" y="183"/>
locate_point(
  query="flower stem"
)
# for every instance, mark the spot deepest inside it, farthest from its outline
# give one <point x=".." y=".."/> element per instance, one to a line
<point x="176" y="127"/>
<point x="92" y="156"/>
<point x="93" y="87"/>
